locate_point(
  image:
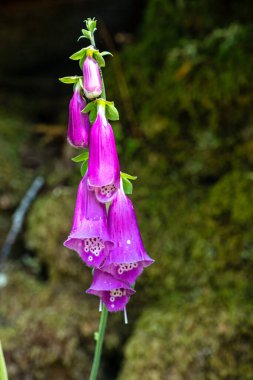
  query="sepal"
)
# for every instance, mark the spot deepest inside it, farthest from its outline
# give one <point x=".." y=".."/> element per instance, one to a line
<point x="84" y="167"/>
<point x="99" y="58"/>
<point x="79" y="54"/>
<point x="127" y="184"/>
<point x="71" y="80"/>
<point x="81" y="157"/>
<point x="111" y="111"/>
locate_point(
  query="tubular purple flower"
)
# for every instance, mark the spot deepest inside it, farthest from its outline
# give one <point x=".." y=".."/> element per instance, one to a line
<point x="92" y="82"/>
<point x="114" y="293"/>
<point x="78" y="125"/>
<point x="127" y="258"/>
<point x="89" y="234"/>
<point x="103" y="167"/>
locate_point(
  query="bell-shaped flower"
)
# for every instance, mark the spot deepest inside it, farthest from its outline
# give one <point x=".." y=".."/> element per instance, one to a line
<point x="127" y="258"/>
<point x="92" y="82"/>
<point x="89" y="234"/>
<point x="113" y="293"/>
<point x="103" y="167"/>
<point x="78" y="125"/>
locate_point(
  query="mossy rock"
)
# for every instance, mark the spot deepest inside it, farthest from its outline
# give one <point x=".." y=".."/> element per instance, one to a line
<point x="204" y="340"/>
<point x="14" y="179"/>
<point x="48" y="225"/>
<point x="47" y="333"/>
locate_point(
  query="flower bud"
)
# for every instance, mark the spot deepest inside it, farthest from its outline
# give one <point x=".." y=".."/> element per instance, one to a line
<point x="92" y="82"/>
<point x="78" y="125"/>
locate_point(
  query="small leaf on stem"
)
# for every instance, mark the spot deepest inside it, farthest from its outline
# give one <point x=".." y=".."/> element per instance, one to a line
<point x="127" y="186"/>
<point x="111" y="112"/>
<point x="84" y="167"/>
<point x="69" y="80"/>
<point x="81" y="157"/>
<point x="128" y="176"/>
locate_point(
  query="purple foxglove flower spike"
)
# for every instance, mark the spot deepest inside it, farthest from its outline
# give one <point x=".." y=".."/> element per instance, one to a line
<point x="89" y="234"/>
<point x="78" y="125"/>
<point x="103" y="167"/>
<point x="128" y="258"/>
<point x="114" y="293"/>
<point x="92" y="82"/>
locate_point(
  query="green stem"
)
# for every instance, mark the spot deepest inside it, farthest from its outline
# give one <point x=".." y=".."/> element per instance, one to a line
<point x="99" y="345"/>
<point x="92" y="40"/>
<point x="3" y="370"/>
<point x="104" y="313"/>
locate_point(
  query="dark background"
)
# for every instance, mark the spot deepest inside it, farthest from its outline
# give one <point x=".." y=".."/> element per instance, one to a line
<point x="181" y="77"/>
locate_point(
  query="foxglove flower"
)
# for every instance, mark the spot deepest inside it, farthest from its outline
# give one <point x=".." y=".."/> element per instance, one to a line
<point x="78" y="125"/>
<point x="103" y="168"/>
<point x="114" y="293"/>
<point x="127" y="258"/>
<point x="92" y="82"/>
<point x="89" y="234"/>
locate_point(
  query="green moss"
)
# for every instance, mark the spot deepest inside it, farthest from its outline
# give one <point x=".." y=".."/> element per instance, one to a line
<point x="200" y="340"/>
<point x="48" y="331"/>
<point x="13" y="179"/>
<point x="48" y="226"/>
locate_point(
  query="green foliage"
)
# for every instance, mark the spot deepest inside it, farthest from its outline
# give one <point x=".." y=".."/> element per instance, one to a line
<point x="54" y="212"/>
<point x="195" y="199"/>
<point x="70" y="80"/>
<point x="3" y="370"/>
<point x="81" y="157"/>
<point x="127" y="186"/>
<point x="42" y="338"/>
<point x="111" y="112"/>
<point x="202" y="340"/>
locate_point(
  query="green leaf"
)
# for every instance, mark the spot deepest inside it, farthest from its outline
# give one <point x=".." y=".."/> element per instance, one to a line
<point x="81" y="157"/>
<point x="80" y="82"/>
<point x="79" y="54"/>
<point x="129" y="176"/>
<point x="92" y="109"/>
<point x="106" y="53"/>
<point x="111" y="112"/>
<point x="127" y="186"/>
<point x="86" y="33"/>
<point x="89" y="107"/>
<point x="3" y="370"/>
<point x="98" y="57"/>
<point x="81" y="62"/>
<point x="69" y="80"/>
<point x="84" y="167"/>
<point x="93" y="115"/>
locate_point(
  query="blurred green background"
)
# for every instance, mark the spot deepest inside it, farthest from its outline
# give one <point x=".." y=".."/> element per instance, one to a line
<point x="182" y="78"/>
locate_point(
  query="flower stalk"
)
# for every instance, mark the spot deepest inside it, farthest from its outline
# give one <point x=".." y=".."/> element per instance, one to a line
<point x="105" y="231"/>
<point x="99" y="344"/>
<point x="104" y="312"/>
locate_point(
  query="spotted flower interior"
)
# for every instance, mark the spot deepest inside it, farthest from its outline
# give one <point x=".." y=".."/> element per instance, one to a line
<point x="93" y="251"/>
<point x="125" y="271"/>
<point x="106" y="193"/>
<point x="116" y="299"/>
